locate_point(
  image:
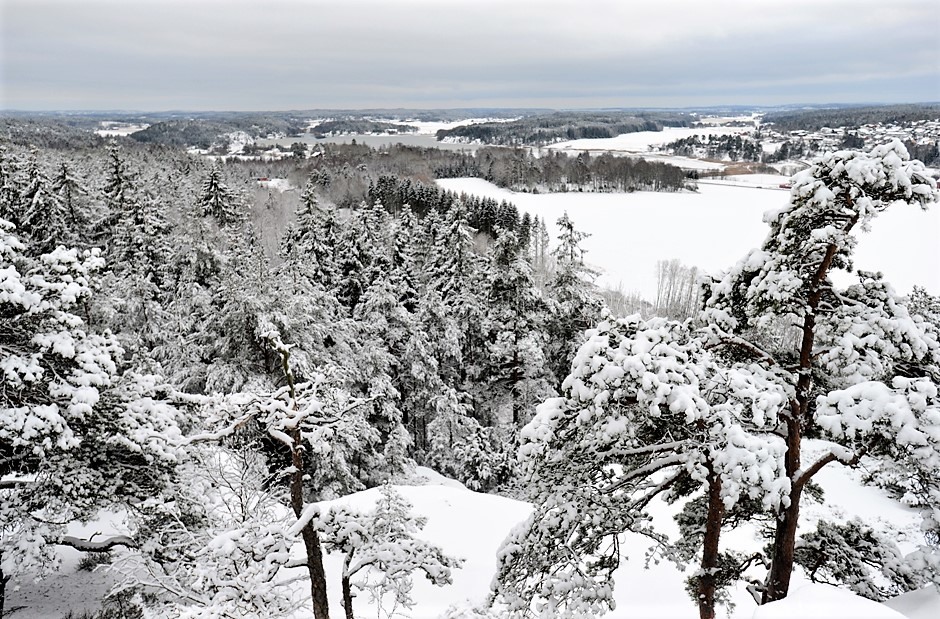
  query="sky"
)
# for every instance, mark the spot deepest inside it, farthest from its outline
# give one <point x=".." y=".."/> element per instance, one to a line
<point x="153" y="55"/>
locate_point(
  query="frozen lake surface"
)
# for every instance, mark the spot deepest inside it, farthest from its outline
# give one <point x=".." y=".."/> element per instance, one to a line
<point x="712" y="229"/>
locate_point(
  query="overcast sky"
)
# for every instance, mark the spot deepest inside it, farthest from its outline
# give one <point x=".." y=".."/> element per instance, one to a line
<point x="278" y="54"/>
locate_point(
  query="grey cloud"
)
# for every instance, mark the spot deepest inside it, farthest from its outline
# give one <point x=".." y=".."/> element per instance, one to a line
<point x="282" y="54"/>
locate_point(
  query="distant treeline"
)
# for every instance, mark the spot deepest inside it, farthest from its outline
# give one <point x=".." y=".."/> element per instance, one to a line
<point x="358" y="125"/>
<point x="560" y="126"/>
<point x="43" y="132"/>
<point x="519" y="170"/>
<point x="812" y="120"/>
<point x="202" y="133"/>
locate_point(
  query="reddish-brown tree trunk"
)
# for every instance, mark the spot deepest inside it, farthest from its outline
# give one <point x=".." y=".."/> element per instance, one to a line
<point x="321" y="606"/>
<point x="781" y="565"/>
<point x="708" y="573"/>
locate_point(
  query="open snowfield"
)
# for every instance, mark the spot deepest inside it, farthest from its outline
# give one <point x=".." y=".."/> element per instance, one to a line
<point x="641" y="141"/>
<point x="471" y="525"/>
<point x="110" y="128"/>
<point x="431" y="127"/>
<point x="712" y="229"/>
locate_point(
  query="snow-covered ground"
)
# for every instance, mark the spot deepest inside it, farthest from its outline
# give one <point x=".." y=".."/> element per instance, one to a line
<point x="431" y="127"/>
<point x="277" y="184"/>
<point x="712" y="229"/>
<point x="471" y="525"/>
<point x="111" y="128"/>
<point x="641" y="141"/>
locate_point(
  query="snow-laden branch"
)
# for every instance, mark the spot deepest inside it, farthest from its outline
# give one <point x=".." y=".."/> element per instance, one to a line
<point x="87" y="545"/>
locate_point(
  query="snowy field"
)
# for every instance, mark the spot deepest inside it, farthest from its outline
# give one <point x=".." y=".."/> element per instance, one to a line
<point x="431" y="127"/>
<point x="711" y="230"/>
<point x="112" y="128"/>
<point x="641" y="141"/>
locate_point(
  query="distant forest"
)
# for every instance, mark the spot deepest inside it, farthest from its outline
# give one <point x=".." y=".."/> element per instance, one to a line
<point x="812" y="120"/>
<point x="560" y="126"/>
<point x="358" y="125"/>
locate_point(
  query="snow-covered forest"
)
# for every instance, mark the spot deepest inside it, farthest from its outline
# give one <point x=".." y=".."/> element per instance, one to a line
<point x="225" y="389"/>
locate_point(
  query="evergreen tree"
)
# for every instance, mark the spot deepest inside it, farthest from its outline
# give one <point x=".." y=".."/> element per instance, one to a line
<point x="216" y="200"/>
<point x="384" y="541"/>
<point x="71" y="190"/>
<point x="575" y="303"/>
<point x="44" y="218"/>
<point x="514" y="330"/>
<point x="310" y="242"/>
<point x="851" y="343"/>
<point x="77" y="433"/>
<point x="10" y="189"/>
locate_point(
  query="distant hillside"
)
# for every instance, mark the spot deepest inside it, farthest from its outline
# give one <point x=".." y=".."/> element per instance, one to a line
<point x="202" y="133"/>
<point x="812" y="120"/>
<point x="560" y="126"/>
<point x="358" y="125"/>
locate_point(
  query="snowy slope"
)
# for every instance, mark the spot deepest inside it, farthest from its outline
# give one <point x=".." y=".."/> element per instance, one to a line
<point x="471" y="525"/>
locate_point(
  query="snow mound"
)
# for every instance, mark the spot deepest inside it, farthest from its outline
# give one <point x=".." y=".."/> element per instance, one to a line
<point x="921" y="604"/>
<point x="466" y="524"/>
<point x="825" y="602"/>
<point x="429" y="477"/>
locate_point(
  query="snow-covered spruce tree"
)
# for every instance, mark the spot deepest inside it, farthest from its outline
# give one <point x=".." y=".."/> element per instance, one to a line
<point x="10" y="187"/>
<point x="72" y="191"/>
<point x="217" y="200"/>
<point x="646" y="411"/>
<point x="860" y="370"/>
<point x="575" y="303"/>
<point x="76" y="436"/>
<point x="118" y="191"/>
<point x="310" y="241"/>
<point x="381" y="551"/>
<point x="44" y="218"/>
<point x="514" y="332"/>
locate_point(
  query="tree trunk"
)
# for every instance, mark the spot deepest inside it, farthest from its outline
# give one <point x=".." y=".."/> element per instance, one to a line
<point x="321" y="607"/>
<point x="781" y="566"/>
<point x="318" y="597"/>
<point x="708" y="577"/>
<point x="347" y="592"/>
<point x="3" y="591"/>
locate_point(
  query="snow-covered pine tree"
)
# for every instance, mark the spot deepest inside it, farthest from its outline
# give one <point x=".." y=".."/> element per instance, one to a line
<point x="646" y="412"/>
<point x="860" y="370"/>
<point x="380" y="547"/>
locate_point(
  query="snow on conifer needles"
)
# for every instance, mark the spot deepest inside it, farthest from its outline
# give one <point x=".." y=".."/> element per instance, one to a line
<point x="366" y="339"/>
<point x="715" y="415"/>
